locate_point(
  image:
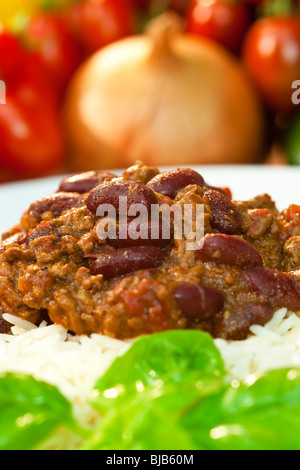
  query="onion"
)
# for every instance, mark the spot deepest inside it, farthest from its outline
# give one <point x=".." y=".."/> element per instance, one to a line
<point x="165" y="98"/>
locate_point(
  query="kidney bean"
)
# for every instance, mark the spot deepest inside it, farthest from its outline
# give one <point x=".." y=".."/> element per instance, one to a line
<point x="109" y="192"/>
<point x="18" y="238"/>
<point x="235" y="325"/>
<point x="57" y="203"/>
<point x="148" y="233"/>
<point x="225" y="216"/>
<point x="281" y="289"/>
<point x="198" y="302"/>
<point x="84" y="182"/>
<point x="127" y="260"/>
<point x="169" y="183"/>
<point x="228" y="249"/>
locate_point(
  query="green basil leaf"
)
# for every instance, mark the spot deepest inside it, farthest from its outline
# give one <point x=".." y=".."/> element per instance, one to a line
<point x="145" y="422"/>
<point x="156" y="361"/>
<point x="261" y="413"/>
<point x="30" y="411"/>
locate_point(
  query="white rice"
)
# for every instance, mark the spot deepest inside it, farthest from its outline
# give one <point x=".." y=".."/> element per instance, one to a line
<point x="74" y="363"/>
<point x="50" y="353"/>
<point x="272" y="346"/>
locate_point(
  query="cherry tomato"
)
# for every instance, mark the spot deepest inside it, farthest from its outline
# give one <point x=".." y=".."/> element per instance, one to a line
<point x="223" y="21"/>
<point x="48" y="35"/>
<point x="97" y="23"/>
<point x="272" y="57"/>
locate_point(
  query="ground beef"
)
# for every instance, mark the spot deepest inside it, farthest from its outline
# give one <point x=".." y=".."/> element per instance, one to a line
<point x="54" y="264"/>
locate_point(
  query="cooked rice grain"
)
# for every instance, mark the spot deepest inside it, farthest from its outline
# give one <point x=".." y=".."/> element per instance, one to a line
<point x="74" y="363"/>
<point x="50" y="353"/>
<point x="272" y="346"/>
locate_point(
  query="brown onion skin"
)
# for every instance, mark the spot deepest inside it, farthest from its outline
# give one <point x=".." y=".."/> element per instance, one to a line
<point x="148" y="128"/>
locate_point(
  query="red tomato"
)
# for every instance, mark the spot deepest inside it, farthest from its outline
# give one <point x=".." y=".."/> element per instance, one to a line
<point x="48" y="35"/>
<point x="97" y="23"/>
<point x="222" y="21"/>
<point x="293" y="214"/>
<point x="33" y="84"/>
<point x="31" y="142"/>
<point x="31" y="139"/>
<point x="272" y="58"/>
<point x="31" y="136"/>
<point x="13" y="58"/>
<point x="11" y="54"/>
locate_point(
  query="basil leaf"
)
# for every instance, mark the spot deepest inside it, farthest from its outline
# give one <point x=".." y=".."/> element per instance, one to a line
<point x="176" y="380"/>
<point x="172" y="357"/>
<point x="145" y="392"/>
<point x="30" y="411"/>
<point x="143" y="423"/>
<point x="261" y="413"/>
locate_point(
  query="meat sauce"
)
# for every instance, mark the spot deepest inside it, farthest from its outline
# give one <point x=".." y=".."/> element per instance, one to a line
<point x="54" y="265"/>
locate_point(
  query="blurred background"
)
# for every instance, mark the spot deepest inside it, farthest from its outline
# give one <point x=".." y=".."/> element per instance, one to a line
<point x="92" y="84"/>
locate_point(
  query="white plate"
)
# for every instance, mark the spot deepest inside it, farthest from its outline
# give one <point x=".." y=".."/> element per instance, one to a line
<point x="282" y="183"/>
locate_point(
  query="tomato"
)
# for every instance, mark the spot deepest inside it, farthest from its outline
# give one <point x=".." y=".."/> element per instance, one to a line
<point x="293" y="214"/>
<point x="31" y="142"/>
<point x="272" y="57"/>
<point x="11" y="54"/>
<point x="31" y="136"/>
<point x="34" y="84"/>
<point x="97" y="23"/>
<point x="223" y="21"/>
<point x="48" y="35"/>
<point x="31" y="139"/>
<point x="30" y="90"/>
